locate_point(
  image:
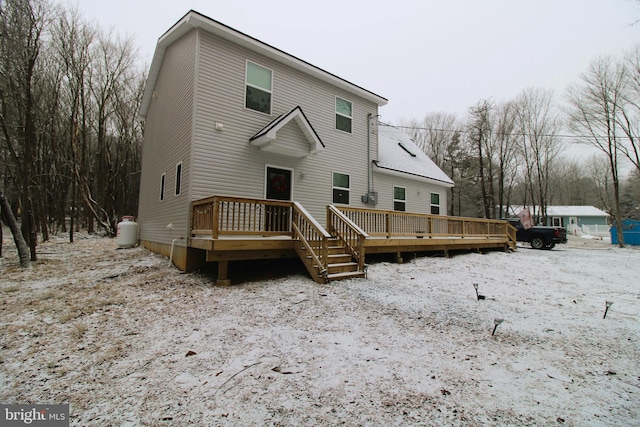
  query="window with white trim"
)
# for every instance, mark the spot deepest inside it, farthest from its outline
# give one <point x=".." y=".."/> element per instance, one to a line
<point x="162" y="181"/>
<point x="258" y="91"/>
<point x="399" y="198"/>
<point x="178" y="179"/>
<point x="344" y="114"/>
<point x="341" y="188"/>
<point x="435" y="203"/>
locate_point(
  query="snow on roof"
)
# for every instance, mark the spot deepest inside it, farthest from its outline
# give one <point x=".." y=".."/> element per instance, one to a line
<point x="575" y="211"/>
<point x="580" y="211"/>
<point x="397" y="153"/>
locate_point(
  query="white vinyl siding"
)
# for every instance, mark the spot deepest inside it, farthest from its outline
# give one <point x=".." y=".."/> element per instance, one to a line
<point x="259" y="81"/>
<point x="399" y="199"/>
<point x="224" y="163"/>
<point x="168" y="132"/>
<point x="341" y="188"/>
<point x="344" y="114"/>
<point x="417" y="194"/>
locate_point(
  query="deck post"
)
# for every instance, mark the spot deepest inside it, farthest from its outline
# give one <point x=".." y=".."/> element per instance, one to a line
<point x="216" y="215"/>
<point x="388" y="225"/>
<point x="223" y="273"/>
<point x="399" y="259"/>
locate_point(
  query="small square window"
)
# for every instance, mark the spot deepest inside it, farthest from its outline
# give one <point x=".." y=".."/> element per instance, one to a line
<point x="341" y="188"/>
<point x="344" y="114"/>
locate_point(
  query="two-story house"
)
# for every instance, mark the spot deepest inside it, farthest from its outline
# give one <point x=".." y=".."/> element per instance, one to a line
<point x="228" y="115"/>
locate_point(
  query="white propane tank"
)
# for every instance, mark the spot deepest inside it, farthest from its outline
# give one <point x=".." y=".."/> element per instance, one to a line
<point x="127" y="235"/>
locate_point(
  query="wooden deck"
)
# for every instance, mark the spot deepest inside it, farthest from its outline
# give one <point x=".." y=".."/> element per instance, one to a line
<point x="234" y="228"/>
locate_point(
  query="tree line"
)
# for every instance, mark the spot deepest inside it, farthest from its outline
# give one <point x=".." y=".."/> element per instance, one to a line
<point x="514" y="153"/>
<point x="70" y="138"/>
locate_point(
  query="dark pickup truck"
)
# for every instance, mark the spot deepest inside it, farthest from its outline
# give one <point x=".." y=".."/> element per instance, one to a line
<point x="540" y="237"/>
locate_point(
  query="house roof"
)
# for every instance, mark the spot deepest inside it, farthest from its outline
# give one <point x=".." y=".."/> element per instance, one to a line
<point x="578" y="211"/>
<point x="399" y="155"/>
<point x="575" y="211"/>
<point x="266" y="138"/>
<point x="194" y="20"/>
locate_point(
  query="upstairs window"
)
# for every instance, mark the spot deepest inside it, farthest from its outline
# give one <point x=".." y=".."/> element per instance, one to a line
<point x="435" y="204"/>
<point x="341" y="188"/>
<point x="258" y="88"/>
<point x="399" y="199"/>
<point x="178" y="179"/>
<point x="344" y="113"/>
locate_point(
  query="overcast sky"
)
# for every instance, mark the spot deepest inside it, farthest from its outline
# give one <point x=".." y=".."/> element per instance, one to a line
<point x="422" y="55"/>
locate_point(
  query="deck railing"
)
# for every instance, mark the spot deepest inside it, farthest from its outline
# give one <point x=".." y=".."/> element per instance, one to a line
<point x="224" y="215"/>
<point x="237" y="216"/>
<point x="314" y="241"/>
<point x="404" y="224"/>
<point x="339" y="225"/>
<point x="227" y="216"/>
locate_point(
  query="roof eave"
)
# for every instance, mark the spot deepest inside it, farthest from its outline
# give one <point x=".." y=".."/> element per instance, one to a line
<point x="404" y="174"/>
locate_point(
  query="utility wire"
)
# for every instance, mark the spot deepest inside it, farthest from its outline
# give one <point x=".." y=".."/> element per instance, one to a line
<point x="466" y="131"/>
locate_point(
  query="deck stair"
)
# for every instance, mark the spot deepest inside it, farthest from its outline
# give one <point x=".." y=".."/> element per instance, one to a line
<point x="340" y="263"/>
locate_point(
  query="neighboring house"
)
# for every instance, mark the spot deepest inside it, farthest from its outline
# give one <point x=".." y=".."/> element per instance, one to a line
<point x="576" y="219"/>
<point x="579" y="219"/>
<point x="226" y="114"/>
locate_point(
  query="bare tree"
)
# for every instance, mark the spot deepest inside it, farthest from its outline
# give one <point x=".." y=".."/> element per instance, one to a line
<point x="438" y="135"/>
<point x="629" y="108"/>
<point x="574" y="184"/>
<point x="598" y="170"/>
<point x="72" y="41"/>
<point x="112" y="76"/>
<point x="594" y="117"/>
<point x="69" y="134"/>
<point x="539" y="123"/>
<point x="479" y="133"/>
<point x="7" y="214"/>
<point x="504" y="153"/>
<point x="22" y="26"/>
<point x="434" y="134"/>
<point x="630" y="196"/>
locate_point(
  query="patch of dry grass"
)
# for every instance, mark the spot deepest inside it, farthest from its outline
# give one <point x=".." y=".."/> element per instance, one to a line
<point x="11" y="288"/>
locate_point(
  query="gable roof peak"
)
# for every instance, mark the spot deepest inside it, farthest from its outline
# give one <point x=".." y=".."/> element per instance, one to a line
<point x="195" y="20"/>
<point x="267" y="138"/>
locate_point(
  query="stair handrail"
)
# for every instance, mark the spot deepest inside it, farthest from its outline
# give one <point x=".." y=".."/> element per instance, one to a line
<point x="307" y="230"/>
<point x="356" y="238"/>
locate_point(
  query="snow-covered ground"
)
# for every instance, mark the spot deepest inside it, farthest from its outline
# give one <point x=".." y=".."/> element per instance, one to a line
<point x="128" y="340"/>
